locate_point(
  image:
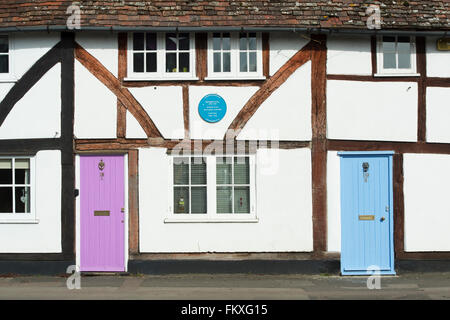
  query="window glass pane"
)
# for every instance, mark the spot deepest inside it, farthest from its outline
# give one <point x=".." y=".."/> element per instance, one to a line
<point x="171" y="62"/>
<point x="216" y="41"/>
<point x="151" y="62"/>
<point x="181" y="199"/>
<point x="138" y="41"/>
<point x="151" y="41"/>
<point x="252" y="41"/>
<point x="404" y="39"/>
<point x="198" y="202"/>
<point x="223" y="170"/>
<point x="226" y="62"/>
<point x="243" y="41"/>
<point x="404" y="61"/>
<point x="241" y="200"/>
<point x="4" y="63"/>
<point x="224" y="199"/>
<point x="171" y="41"/>
<point x="217" y="67"/>
<point x="4" y="46"/>
<point x="226" y="41"/>
<point x="183" y="39"/>
<point x="184" y="62"/>
<point x="388" y="39"/>
<point x="22" y="171"/>
<point x="5" y="171"/>
<point x="389" y="47"/>
<point x="252" y="61"/>
<point x="181" y="171"/>
<point x="138" y="62"/>
<point x="23" y="199"/>
<point x="243" y="61"/>
<point x="198" y="171"/>
<point x="241" y="170"/>
<point x="6" y="200"/>
<point x="389" y="61"/>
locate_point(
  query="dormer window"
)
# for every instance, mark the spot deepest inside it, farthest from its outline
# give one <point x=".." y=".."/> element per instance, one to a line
<point x="396" y="55"/>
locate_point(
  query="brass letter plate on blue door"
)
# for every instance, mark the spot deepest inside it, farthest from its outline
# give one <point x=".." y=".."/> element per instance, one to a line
<point x="366" y="217"/>
<point x="101" y="213"/>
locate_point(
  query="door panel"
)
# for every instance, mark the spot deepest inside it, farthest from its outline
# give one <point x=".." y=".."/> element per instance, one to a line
<point x="102" y="195"/>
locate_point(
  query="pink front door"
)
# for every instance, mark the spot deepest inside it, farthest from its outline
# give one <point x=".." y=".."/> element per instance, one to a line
<point x="102" y="217"/>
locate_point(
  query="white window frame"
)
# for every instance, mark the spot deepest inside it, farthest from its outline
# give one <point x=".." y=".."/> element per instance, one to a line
<point x="22" y="217"/>
<point x="160" y="73"/>
<point x="9" y="77"/>
<point x="381" y="71"/>
<point x="235" y="74"/>
<point x="211" y="214"/>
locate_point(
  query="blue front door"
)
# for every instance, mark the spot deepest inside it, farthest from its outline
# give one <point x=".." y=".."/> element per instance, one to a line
<point x="366" y="213"/>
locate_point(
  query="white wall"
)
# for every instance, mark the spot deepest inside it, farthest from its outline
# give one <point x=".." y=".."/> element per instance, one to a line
<point x="283" y="45"/>
<point x="427" y="209"/>
<point x="38" y="113"/>
<point x="333" y="202"/>
<point x="437" y="61"/>
<point x="349" y="55"/>
<point x="286" y="114"/>
<point x="284" y="209"/>
<point x="384" y="111"/>
<point x="164" y="105"/>
<point x="438" y="114"/>
<point x="45" y="236"/>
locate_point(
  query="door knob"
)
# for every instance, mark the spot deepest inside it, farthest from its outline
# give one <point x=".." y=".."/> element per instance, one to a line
<point x="382" y="219"/>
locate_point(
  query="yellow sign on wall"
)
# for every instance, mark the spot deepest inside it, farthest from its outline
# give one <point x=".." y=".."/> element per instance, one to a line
<point x="443" y="44"/>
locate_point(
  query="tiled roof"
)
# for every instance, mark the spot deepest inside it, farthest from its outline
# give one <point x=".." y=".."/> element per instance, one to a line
<point x="348" y="14"/>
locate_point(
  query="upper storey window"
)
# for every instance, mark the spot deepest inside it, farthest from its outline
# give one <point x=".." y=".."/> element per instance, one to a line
<point x="4" y="54"/>
<point x="234" y="55"/>
<point x="161" y="56"/>
<point x="396" y="55"/>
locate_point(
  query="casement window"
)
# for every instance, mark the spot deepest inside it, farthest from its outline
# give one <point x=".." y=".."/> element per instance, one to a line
<point x="396" y="55"/>
<point x="16" y="188"/>
<point x="161" y="56"/>
<point x="212" y="188"/>
<point x="235" y="55"/>
<point x="6" y="48"/>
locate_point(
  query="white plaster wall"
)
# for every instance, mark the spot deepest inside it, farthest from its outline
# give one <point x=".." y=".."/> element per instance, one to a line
<point x="286" y="114"/>
<point x="427" y="209"/>
<point x="349" y="55"/>
<point x="284" y="209"/>
<point x="283" y="45"/>
<point x="95" y="107"/>
<point x="384" y="111"/>
<point x="38" y="113"/>
<point x="438" y="114"/>
<point x="45" y="236"/>
<point x="438" y="62"/>
<point x="103" y="46"/>
<point x="235" y="98"/>
<point x="133" y="128"/>
<point x="164" y="105"/>
<point x="333" y="202"/>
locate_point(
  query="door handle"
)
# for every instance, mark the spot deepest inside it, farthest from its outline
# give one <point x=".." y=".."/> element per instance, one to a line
<point x="382" y="219"/>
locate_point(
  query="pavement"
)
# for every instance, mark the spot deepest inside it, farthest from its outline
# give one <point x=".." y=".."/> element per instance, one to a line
<point x="416" y="286"/>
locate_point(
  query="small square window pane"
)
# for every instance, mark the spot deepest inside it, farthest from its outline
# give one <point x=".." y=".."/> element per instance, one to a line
<point x="151" y="62"/>
<point x="389" y="61"/>
<point x="171" y="41"/>
<point x="4" y="63"/>
<point x="171" y="62"/>
<point x="216" y="41"/>
<point x="388" y="39"/>
<point x="138" y="41"/>
<point x="226" y="41"/>
<point x="252" y="42"/>
<point x="23" y="199"/>
<point x="224" y="200"/>
<point x="241" y="170"/>
<point x="404" y="61"/>
<point x="183" y="39"/>
<point x="151" y="41"/>
<point x="198" y="171"/>
<point x="389" y="47"/>
<point x="223" y="170"/>
<point x="243" y="41"/>
<point x="181" y="199"/>
<point x="22" y="171"/>
<point x="6" y="199"/>
<point x="242" y="200"/>
<point x="5" y="171"/>
<point x="198" y="201"/>
<point x="217" y="62"/>
<point x="404" y="39"/>
<point x="243" y="62"/>
<point x="4" y="45"/>
<point x="252" y="61"/>
<point x="138" y="62"/>
<point x="226" y="62"/>
<point x="184" y="62"/>
<point x="404" y="47"/>
<point x="181" y="171"/>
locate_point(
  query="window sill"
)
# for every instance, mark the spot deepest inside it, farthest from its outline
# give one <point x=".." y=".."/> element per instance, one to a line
<point x="396" y="75"/>
<point x="8" y="80"/>
<point x="162" y="79"/>
<point x="212" y="78"/>
<point x="174" y="220"/>
<point x="19" y="221"/>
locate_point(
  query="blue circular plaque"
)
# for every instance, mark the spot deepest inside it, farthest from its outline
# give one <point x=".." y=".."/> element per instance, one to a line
<point x="212" y="108"/>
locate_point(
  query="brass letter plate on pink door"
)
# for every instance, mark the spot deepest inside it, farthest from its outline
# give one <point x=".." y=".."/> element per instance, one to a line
<point x="101" y="213"/>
